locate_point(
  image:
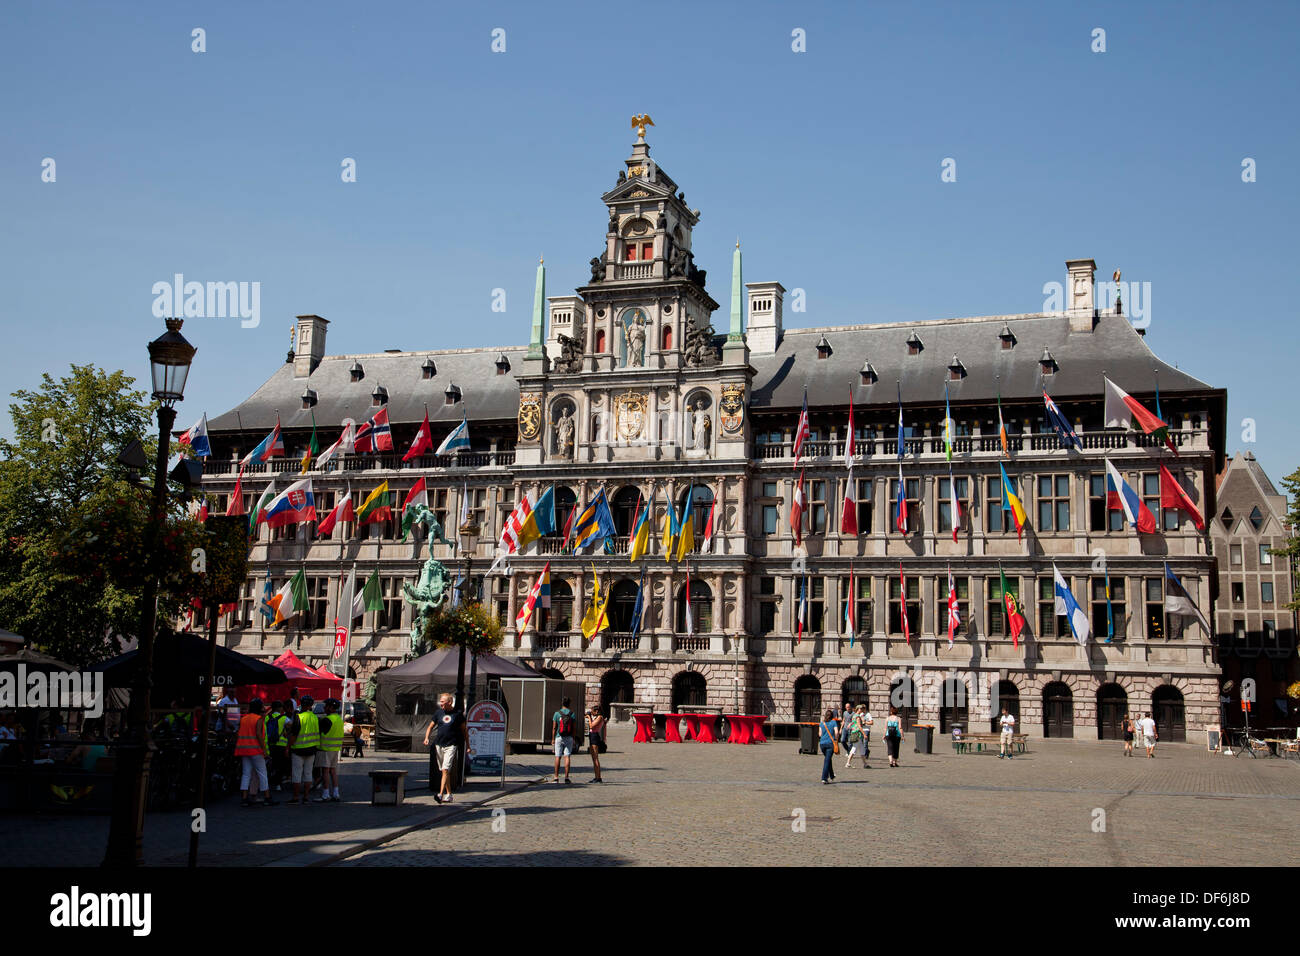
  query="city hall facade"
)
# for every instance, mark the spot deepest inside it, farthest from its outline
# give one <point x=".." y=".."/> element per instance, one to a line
<point x="643" y="385"/>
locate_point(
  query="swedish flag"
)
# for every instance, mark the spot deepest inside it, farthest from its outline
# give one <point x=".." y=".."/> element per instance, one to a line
<point x="595" y="523"/>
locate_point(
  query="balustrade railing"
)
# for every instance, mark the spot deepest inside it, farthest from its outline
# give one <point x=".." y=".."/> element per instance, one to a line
<point x="354" y="463"/>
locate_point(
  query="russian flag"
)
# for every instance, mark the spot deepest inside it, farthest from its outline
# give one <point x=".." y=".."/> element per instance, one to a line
<point x="293" y="505"/>
<point x="1120" y="496"/>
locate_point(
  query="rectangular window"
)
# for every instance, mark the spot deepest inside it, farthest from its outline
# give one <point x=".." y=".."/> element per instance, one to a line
<point x="242" y="615"/>
<point x="962" y="587"/>
<point x="995" y="519"/>
<point x="1234" y="555"/>
<point x="912" y="489"/>
<point x="438" y="502"/>
<point x="1049" y="624"/>
<point x="913" y="605"/>
<point x="1270" y="630"/>
<point x="1100" y="518"/>
<point x="1266" y="592"/>
<point x="1100" y="622"/>
<point x="769" y="519"/>
<point x="1151" y="498"/>
<point x="1239" y="630"/>
<point x="944" y="509"/>
<point x="997" y="609"/>
<point x="1265" y="554"/>
<point x="766" y="617"/>
<point x="1238" y="592"/>
<point x="1053" y="503"/>
<point x="862" y="621"/>
<point x="816" y="605"/>
<point x="817" y="507"/>
<point x="769" y="490"/>
<point x="1155" y="601"/>
<point x="866" y="506"/>
<point x="390" y="616"/>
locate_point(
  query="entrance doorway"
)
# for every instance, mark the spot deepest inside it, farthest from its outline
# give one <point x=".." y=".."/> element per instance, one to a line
<point x="1058" y="710"/>
<point x="1112" y="705"/>
<point x="1167" y="709"/>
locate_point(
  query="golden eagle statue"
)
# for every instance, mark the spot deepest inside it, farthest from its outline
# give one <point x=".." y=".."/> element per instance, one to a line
<point x="639" y="122"/>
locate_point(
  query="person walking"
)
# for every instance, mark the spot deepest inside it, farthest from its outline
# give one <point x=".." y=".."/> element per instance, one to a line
<point x="1148" y="728"/>
<point x="251" y="749"/>
<point x="449" y="730"/>
<point x="1007" y="724"/>
<point x="893" y="735"/>
<point x="829" y="743"/>
<point x="563" y="726"/>
<point x="304" y="738"/>
<point x="327" y="757"/>
<point x="846" y="719"/>
<point x="595" y="739"/>
<point x="857" y="736"/>
<point x="1128" y="729"/>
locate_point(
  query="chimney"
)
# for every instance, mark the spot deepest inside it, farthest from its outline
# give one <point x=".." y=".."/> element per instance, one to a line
<point x="764" y="331"/>
<point x="1079" y="293"/>
<point x="309" y="345"/>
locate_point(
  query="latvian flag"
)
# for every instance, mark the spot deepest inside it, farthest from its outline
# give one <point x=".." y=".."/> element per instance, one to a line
<point x="293" y="505"/>
<point x="1120" y="496"/>
<point x="801" y="432"/>
<point x="271" y="446"/>
<point x="375" y="435"/>
<point x="342" y="511"/>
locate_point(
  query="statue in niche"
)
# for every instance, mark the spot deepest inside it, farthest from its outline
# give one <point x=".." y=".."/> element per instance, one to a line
<point x="564" y="434"/>
<point x="636" y="341"/>
<point x="700" y="427"/>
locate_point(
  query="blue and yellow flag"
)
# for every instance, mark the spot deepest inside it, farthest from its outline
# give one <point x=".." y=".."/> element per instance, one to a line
<point x="640" y="531"/>
<point x="670" y="527"/>
<point x="595" y="523"/>
<point x="686" y="527"/>
<point x="1010" y="502"/>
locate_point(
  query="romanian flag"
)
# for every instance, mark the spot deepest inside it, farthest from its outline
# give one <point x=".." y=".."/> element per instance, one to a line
<point x="639" y="539"/>
<point x="313" y="449"/>
<point x="376" y="507"/>
<point x="271" y="446"/>
<point x="423" y="441"/>
<point x="686" y="527"/>
<point x="539" y="593"/>
<point x="1173" y="496"/>
<point x="1011" y="502"/>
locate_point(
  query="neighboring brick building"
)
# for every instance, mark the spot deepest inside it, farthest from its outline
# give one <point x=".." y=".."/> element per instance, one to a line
<point x="626" y="386"/>
<point x="1256" y="633"/>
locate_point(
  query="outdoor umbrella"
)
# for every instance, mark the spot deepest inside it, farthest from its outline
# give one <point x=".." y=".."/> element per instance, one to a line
<point x="33" y="661"/>
<point x="180" y="669"/>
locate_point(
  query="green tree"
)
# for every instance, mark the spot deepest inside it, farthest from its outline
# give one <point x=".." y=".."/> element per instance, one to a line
<point x="1292" y="550"/>
<point x="72" y="568"/>
<point x="470" y="625"/>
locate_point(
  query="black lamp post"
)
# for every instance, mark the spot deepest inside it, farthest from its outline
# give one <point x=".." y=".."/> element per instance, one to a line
<point x="169" y="361"/>
<point x="469" y="532"/>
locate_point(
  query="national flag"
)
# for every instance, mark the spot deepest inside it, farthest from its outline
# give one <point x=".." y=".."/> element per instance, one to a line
<point x="900" y="421"/>
<point x="638" y="538"/>
<point x="1110" y="610"/>
<point x="197" y="438"/>
<point x="849" y="508"/>
<point x="290" y="599"/>
<point x="1178" y="601"/>
<point x="264" y="606"/>
<point x="371" y="597"/>
<point x="1015" y="620"/>
<point x="803" y="609"/>
<point x="1011" y="502"/>
<point x="1068" y="608"/>
<point x="313" y="449"/>
<point x="539" y="521"/>
<point x="1002" y="430"/>
<point x="1069" y="439"/>
<point x="236" y="504"/>
<point x="568" y="526"/>
<point x="1172" y="495"/>
<point x="258" y="514"/>
<point x="707" y="546"/>
<point x="954" y="505"/>
<point x="342" y="511"/>
<point x="510" y="529"/>
<point x="343" y="632"/>
<point x="375" y="434"/>
<point x="1119" y="496"/>
<point x="638" y="609"/>
<point x="418" y="495"/>
<point x="1122" y="408"/>
<point x="686" y="526"/>
<point x="457" y="439"/>
<point x="954" y="613"/>
<point x="539" y="592"/>
<point x="292" y="506"/>
<point x="690" y="620"/>
<point x="423" y="441"/>
<point x="345" y="446"/>
<point x="902" y="603"/>
<point x="801" y="432"/>
<point x="376" y="507"/>
<point x="595" y="620"/>
<point x="900" y="504"/>
<point x="947" y="423"/>
<point x="270" y="447"/>
<point x="201" y="515"/>
<point x="850" y="610"/>
<point x="1162" y="434"/>
<point x="595" y="523"/>
<point x="796" y="511"/>
<point x="670" y="527"/>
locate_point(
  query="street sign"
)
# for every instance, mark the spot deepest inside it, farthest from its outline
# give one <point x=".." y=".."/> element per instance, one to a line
<point x="487" y="738"/>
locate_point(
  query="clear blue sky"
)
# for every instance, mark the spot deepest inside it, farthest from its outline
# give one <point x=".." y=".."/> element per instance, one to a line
<point x="225" y="166"/>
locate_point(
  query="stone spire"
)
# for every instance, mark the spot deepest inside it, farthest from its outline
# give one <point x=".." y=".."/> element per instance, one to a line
<point x="539" y="314"/>
<point x="737" y="331"/>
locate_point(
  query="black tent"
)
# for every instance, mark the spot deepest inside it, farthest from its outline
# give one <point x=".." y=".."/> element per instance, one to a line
<point x="407" y="695"/>
<point x="180" y="670"/>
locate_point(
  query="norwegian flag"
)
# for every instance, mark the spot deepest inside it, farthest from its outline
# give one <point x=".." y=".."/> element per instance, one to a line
<point x="801" y="433"/>
<point x="954" y="616"/>
<point x="796" y="511"/>
<point x="707" y="546"/>
<point x="375" y="435"/>
<point x="849" y="511"/>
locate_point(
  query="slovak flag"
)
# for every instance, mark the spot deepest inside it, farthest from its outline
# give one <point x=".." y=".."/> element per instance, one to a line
<point x="375" y="435"/>
<point x="293" y="505"/>
<point x="272" y="446"/>
<point x="197" y="438"/>
<point x="801" y="433"/>
<point x="1120" y="496"/>
<point x="900" y="506"/>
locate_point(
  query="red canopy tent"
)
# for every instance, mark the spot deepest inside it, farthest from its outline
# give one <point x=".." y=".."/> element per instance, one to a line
<point x="319" y="684"/>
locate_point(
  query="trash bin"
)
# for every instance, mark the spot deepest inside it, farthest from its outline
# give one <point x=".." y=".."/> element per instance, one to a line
<point x="387" y="787"/>
<point x="924" y="738"/>
<point x="809" y="735"/>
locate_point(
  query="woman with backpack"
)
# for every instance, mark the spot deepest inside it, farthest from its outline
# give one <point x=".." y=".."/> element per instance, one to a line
<point x="893" y="735"/>
<point x="830" y="744"/>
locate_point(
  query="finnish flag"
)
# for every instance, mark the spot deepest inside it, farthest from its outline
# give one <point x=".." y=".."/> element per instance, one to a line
<point x="1068" y="608"/>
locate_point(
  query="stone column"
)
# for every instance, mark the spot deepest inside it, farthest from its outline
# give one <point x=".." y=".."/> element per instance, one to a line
<point x="717" y="643"/>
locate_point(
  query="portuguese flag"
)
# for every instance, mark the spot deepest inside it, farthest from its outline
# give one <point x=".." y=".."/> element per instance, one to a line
<point x="1015" y="620"/>
<point x="376" y="507"/>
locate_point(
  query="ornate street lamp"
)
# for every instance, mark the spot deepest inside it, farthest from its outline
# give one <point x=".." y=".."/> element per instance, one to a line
<point x="468" y="534"/>
<point x="170" y="356"/>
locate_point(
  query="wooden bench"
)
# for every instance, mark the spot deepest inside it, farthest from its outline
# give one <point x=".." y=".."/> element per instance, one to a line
<point x="976" y="743"/>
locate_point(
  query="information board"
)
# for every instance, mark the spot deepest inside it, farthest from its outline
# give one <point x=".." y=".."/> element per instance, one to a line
<point x="487" y="739"/>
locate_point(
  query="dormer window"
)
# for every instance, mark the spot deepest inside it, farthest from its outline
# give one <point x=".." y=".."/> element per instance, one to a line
<point x="1256" y="519"/>
<point x="1007" y="337"/>
<point x="379" y="396"/>
<point x="914" y="345"/>
<point x="309" y="398"/>
<point x="1046" y="363"/>
<point x="1226" y="518"/>
<point x="869" y="376"/>
<point x="956" y="371"/>
<point x="452" y="394"/>
<point x="428" y="370"/>
<point x="824" y="349"/>
<point x="357" y="372"/>
<point x="503" y="364"/>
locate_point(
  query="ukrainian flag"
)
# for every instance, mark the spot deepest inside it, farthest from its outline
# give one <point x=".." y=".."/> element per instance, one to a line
<point x="595" y="523"/>
<point x="640" y="532"/>
<point x="670" y="527"/>
<point x="686" y="527"/>
<point x="1010" y="502"/>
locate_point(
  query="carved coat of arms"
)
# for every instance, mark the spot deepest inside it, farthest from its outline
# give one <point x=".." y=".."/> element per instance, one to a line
<point x="731" y="407"/>
<point x="530" y="417"/>
<point x="631" y="412"/>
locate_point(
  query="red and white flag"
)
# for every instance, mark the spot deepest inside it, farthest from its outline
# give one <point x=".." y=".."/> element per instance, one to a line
<point x="236" y="506"/>
<point x="801" y="433"/>
<point x="902" y="603"/>
<point x="342" y="511"/>
<point x="954" y="616"/>
<point x="1173" y="496"/>
<point x="690" y="624"/>
<point x="345" y="446"/>
<point x="707" y="546"/>
<point x="423" y="442"/>
<point x="418" y="495"/>
<point x="796" y="511"/>
<point x="849" y="510"/>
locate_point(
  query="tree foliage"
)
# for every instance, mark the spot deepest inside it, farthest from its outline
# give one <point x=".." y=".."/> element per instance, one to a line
<point x="470" y="625"/>
<point x="73" y="529"/>
<point x="1292" y="550"/>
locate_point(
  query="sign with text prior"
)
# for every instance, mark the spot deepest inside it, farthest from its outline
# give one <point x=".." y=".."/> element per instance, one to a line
<point x="487" y="738"/>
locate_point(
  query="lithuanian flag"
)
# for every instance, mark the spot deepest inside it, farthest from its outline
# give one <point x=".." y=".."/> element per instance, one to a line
<point x="376" y="507"/>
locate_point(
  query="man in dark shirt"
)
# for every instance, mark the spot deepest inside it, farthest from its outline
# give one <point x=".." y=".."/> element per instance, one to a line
<point x="449" y="730"/>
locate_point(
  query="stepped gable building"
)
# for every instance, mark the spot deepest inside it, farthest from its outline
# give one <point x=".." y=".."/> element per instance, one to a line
<point x="641" y="384"/>
<point x="1256" y="632"/>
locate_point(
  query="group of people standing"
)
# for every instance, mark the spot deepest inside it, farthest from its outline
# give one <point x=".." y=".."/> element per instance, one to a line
<point x="1145" y="729"/>
<point x="850" y="729"/>
<point x="301" y="744"/>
